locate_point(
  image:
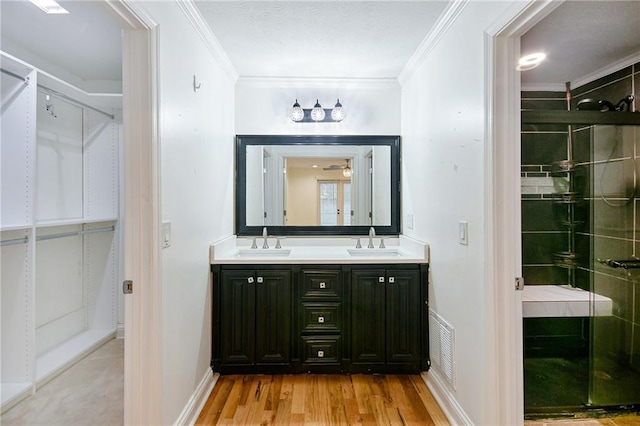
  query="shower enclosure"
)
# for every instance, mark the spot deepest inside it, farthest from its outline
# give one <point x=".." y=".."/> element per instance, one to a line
<point x="582" y="234"/>
<point x="614" y="254"/>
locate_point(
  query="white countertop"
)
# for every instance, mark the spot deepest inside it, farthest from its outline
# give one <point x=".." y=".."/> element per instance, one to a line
<point x="540" y="301"/>
<point x="320" y="250"/>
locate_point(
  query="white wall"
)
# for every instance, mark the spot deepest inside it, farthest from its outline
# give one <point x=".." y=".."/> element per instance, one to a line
<point x="443" y="130"/>
<point x="262" y="107"/>
<point x="196" y="140"/>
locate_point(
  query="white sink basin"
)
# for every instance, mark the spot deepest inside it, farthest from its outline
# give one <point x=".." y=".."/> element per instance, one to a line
<point x="375" y="252"/>
<point x="263" y="252"/>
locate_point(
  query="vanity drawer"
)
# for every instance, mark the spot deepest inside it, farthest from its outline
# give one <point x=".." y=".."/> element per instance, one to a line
<point x="322" y="349"/>
<point x="319" y="284"/>
<point x="322" y="317"/>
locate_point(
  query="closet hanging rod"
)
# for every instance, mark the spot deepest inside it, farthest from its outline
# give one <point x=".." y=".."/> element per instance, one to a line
<point x="56" y="93"/>
<point x="75" y="233"/>
<point x="14" y="75"/>
<point x="13" y="242"/>
<point x="75" y="101"/>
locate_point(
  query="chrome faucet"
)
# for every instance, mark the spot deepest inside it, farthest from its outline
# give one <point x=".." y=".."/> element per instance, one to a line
<point x="265" y="244"/>
<point x="372" y="233"/>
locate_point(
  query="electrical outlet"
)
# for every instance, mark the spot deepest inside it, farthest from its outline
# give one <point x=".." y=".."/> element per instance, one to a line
<point x="463" y="232"/>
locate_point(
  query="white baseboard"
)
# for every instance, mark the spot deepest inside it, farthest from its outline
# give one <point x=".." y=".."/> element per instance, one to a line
<point x="195" y="404"/>
<point x="120" y="331"/>
<point x="450" y="406"/>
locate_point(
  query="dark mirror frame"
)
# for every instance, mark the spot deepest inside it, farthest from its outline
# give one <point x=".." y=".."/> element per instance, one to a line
<point x="242" y="229"/>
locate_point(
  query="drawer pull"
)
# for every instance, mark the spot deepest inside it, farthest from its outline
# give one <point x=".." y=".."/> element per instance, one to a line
<point x="260" y="280"/>
<point x="321" y="319"/>
<point x="320" y="354"/>
<point x="323" y="285"/>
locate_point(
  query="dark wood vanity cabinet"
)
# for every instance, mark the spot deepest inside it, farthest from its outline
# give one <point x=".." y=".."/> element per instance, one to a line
<point x="386" y="318"/>
<point x="320" y="318"/>
<point x="254" y="306"/>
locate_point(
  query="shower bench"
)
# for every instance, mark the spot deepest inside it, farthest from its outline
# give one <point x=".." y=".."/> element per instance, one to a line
<point x="559" y="301"/>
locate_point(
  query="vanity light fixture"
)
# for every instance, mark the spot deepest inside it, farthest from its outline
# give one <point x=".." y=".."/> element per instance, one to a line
<point x="338" y="113"/>
<point x="347" y="172"/>
<point x="49" y="6"/>
<point x="297" y="113"/>
<point x="317" y="114"/>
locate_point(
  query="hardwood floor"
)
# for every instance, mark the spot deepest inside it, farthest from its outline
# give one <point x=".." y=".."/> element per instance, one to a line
<point x="321" y="400"/>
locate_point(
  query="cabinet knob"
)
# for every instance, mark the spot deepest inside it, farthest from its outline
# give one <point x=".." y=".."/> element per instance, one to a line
<point x="380" y="279"/>
<point x="250" y="280"/>
<point x="323" y="285"/>
<point x="320" y="354"/>
<point x="392" y="280"/>
<point x="260" y="280"/>
<point x="321" y="320"/>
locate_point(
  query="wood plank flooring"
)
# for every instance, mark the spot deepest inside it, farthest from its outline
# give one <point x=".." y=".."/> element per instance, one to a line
<point x="314" y="399"/>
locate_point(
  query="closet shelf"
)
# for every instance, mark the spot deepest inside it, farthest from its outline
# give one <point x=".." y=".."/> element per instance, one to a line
<point x="15" y="227"/>
<point x="78" y="221"/>
<point x="63" y="356"/>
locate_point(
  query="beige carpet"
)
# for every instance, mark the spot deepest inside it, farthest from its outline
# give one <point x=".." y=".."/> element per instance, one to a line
<point x="89" y="393"/>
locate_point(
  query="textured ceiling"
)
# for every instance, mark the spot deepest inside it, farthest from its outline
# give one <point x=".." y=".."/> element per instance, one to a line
<point x="582" y="37"/>
<point x="86" y="42"/>
<point x="360" y="39"/>
<point x="339" y="39"/>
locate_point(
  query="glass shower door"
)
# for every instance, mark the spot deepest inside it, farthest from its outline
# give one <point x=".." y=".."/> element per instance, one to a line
<point x="614" y="245"/>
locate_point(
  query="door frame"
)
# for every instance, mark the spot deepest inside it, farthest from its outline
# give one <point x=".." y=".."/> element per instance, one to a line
<point x="503" y="245"/>
<point x="141" y="221"/>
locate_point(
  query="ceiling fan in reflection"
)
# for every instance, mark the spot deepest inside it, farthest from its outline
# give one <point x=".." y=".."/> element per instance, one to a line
<point x="346" y="170"/>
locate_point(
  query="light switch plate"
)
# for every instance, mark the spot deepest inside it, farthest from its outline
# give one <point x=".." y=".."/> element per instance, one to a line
<point x="166" y="234"/>
<point x="463" y="232"/>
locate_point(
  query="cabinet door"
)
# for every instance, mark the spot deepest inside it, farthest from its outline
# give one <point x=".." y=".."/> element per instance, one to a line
<point x="368" y="316"/>
<point x="237" y="317"/>
<point x="273" y="317"/>
<point x="403" y="316"/>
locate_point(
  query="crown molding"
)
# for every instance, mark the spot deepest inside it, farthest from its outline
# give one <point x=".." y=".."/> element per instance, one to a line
<point x="445" y="21"/>
<point x="589" y="78"/>
<point x="545" y="87"/>
<point x="607" y="70"/>
<point x="314" y="82"/>
<point x="207" y="36"/>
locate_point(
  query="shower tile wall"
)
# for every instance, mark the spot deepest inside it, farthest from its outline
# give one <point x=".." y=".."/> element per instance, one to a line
<point x="615" y="231"/>
<point x="543" y="232"/>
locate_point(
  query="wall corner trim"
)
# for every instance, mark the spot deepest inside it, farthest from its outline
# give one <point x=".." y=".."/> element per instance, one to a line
<point x="209" y="39"/>
<point x="449" y="405"/>
<point x="196" y="402"/>
<point x="446" y="19"/>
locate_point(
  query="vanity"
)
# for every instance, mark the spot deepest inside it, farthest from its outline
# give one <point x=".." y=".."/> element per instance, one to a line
<point x="319" y="305"/>
<point x="318" y="278"/>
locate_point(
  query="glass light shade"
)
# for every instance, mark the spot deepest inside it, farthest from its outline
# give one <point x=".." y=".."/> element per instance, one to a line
<point x="297" y="113"/>
<point x="317" y="113"/>
<point x="338" y="113"/>
<point x="346" y="171"/>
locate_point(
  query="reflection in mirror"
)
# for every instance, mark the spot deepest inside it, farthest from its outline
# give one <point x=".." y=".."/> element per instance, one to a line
<point x="317" y="184"/>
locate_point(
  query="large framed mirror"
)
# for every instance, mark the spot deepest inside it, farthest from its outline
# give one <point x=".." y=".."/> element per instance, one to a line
<point x="317" y="185"/>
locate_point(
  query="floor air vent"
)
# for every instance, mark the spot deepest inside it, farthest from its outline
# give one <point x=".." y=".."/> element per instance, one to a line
<point x="441" y="346"/>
